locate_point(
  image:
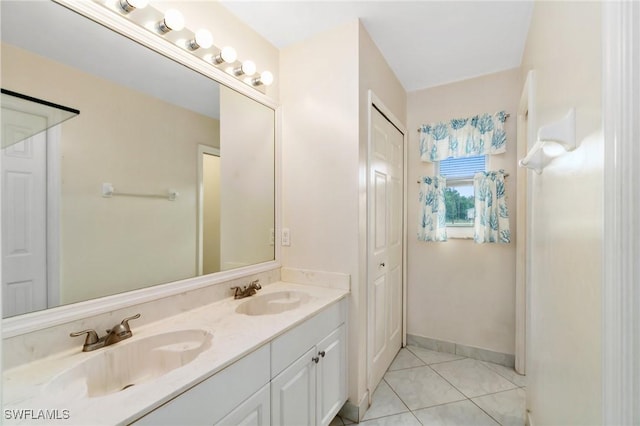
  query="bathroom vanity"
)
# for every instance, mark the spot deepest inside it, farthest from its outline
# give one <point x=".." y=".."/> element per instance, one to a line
<point x="278" y="357"/>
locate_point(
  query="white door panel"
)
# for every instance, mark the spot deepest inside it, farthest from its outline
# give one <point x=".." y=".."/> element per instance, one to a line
<point x="386" y="160"/>
<point x="24" y="223"/>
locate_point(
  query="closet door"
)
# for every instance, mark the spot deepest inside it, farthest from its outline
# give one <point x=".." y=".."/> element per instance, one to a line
<point x="386" y="161"/>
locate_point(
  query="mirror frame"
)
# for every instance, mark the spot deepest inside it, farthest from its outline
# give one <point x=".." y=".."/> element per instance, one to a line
<point x="101" y="15"/>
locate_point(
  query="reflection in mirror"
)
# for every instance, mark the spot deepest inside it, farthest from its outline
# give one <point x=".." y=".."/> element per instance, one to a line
<point x="118" y="198"/>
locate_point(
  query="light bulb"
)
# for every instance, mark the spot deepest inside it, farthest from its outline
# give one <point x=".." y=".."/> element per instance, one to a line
<point x="265" y="78"/>
<point x="173" y="21"/>
<point x="247" y="68"/>
<point x="227" y="54"/>
<point x="131" y="5"/>
<point x="203" y="38"/>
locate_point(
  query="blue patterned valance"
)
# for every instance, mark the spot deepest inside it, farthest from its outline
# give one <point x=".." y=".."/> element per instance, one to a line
<point x="464" y="137"/>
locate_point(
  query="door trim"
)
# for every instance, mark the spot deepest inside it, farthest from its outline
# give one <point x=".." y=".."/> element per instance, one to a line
<point x="54" y="194"/>
<point x="621" y="276"/>
<point x="375" y="102"/>
<point x="202" y="149"/>
<point x="526" y="118"/>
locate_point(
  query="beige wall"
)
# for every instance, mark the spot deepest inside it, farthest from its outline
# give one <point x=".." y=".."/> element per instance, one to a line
<point x="247" y="170"/>
<point x="324" y="139"/>
<point x="111" y="141"/>
<point x="564" y="352"/>
<point x="320" y="157"/>
<point x="460" y="291"/>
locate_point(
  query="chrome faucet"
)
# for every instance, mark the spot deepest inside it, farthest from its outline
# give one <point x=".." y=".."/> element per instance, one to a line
<point x="246" y="291"/>
<point x="114" y="335"/>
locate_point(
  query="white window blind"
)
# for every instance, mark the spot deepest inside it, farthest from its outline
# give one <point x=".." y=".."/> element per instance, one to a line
<point x="465" y="167"/>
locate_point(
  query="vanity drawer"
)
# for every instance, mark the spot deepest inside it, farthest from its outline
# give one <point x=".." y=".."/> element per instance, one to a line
<point x="214" y="398"/>
<point x="294" y="343"/>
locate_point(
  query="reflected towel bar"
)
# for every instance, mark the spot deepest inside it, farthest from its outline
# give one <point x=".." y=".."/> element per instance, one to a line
<point x="109" y="191"/>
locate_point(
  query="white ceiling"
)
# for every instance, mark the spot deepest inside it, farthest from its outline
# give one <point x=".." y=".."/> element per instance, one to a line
<point x="426" y="43"/>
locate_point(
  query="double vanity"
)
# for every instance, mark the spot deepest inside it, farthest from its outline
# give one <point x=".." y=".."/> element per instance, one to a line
<point x="275" y="357"/>
<point x="195" y="355"/>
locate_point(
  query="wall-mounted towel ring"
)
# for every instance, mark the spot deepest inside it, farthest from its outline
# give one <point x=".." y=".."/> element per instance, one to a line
<point x="553" y="140"/>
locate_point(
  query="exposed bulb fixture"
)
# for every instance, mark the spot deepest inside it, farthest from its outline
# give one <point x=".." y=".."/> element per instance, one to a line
<point x="173" y="21"/>
<point x="203" y="38"/>
<point x="247" y="68"/>
<point x="131" y="5"/>
<point x="265" y="78"/>
<point x="227" y="54"/>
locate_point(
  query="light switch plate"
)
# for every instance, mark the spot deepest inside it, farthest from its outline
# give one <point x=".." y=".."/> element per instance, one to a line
<point x="286" y="237"/>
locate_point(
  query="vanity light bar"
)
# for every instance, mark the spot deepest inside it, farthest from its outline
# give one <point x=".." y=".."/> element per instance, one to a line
<point x="171" y="26"/>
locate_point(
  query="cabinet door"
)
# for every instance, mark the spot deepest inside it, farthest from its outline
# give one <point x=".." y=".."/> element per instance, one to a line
<point x="212" y="399"/>
<point x="331" y="376"/>
<point x="293" y="393"/>
<point x="255" y="411"/>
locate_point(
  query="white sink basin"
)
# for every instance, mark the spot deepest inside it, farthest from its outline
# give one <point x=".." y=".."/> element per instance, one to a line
<point x="273" y="303"/>
<point x="126" y="364"/>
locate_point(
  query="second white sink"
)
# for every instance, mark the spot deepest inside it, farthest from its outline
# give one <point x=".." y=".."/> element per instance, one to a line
<point x="273" y="303"/>
<point x="126" y="364"/>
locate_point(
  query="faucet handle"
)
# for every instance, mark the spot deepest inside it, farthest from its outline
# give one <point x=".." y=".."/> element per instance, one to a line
<point x="125" y="322"/>
<point x="256" y="284"/>
<point x="92" y="336"/>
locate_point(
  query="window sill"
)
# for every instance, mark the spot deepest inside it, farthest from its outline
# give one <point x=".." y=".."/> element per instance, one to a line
<point x="460" y="232"/>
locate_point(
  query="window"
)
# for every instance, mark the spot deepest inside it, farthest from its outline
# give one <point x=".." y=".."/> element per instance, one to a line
<point x="459" y="196"/>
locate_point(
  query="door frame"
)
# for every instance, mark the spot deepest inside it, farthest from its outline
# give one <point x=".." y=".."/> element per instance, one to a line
<point x="526" y="139"/>
<point x="54" y="195"/>
<point x="372" y="100"/>
<point x="202" y="149"/>
<point x="621" y="277"/>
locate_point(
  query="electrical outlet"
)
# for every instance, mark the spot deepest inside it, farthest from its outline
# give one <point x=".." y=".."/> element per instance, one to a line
<point x="286" y="237"/>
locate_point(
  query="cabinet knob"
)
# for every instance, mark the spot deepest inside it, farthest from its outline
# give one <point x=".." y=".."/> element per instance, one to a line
<point x="322" y="353"/>
<point x="315" y="359"/>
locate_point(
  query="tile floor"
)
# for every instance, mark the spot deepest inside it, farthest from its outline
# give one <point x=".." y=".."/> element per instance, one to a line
<point x="424" y="387"/>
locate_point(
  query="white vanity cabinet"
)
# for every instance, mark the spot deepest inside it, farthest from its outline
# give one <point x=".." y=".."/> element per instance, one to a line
<point x="255" y="411"/>
<point x="311" y="389"/>
<point x="299" y="378"/>
<point x="220" y="395"/>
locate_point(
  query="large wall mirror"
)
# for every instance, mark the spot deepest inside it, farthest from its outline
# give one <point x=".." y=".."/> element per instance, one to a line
<point x="163" y="175"/>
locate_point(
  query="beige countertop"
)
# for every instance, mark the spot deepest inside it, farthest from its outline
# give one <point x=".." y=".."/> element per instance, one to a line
<point x="234" y="336"/>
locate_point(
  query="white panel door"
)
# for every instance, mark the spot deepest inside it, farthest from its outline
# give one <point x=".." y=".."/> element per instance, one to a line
<point x="386" y="159"/>
<point x="293" y="393"/>
<point x="24" y="223"/>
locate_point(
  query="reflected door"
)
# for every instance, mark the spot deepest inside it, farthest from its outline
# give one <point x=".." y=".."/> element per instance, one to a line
<point x="385" y="245"/>
<point x="24" y="222"/>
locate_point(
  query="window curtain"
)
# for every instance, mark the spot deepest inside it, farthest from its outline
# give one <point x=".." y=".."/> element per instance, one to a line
<point x="433" y="226"/>
<point x="491" y="213"/>
<point x="464" y="137"/>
